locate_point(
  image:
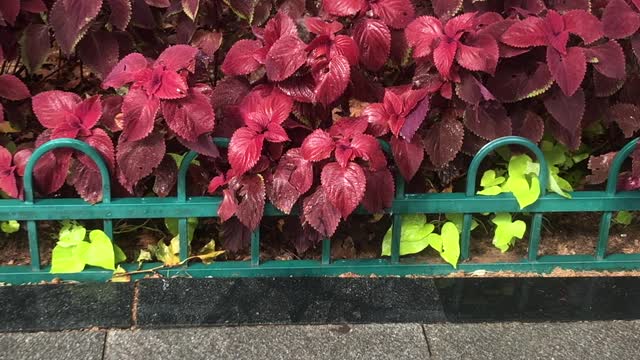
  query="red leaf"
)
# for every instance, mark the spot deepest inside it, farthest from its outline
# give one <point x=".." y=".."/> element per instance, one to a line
<point x="395" y="13"/>
<point x="7" y="176"/>
<point x="347" y="47"/>
<point x="347" y="128"/>
<point x="260" y="108"/>
<point x="190" y="116"/>
<point x="228" y="206"/>
<point x="378" y="118"/>
<point x="320" y="27"/>
<point x="137" y="159"/>
<point x="478" y="53"/>
<point x="12" y="88"/>
<point x="368" y="148"/>
<point x="292" y="178"/>
<point x="286" y="56"/>
<point x="627" y="116"/>
<point x="166" y="175"/>
<point x="1" y="113"/>
<point x="344" y="186"/>
<point x="374" y="40"/>
<point x="528" y="124"/>
<point x="51" y="169"/>
<point x="443" y="56"/>
<point x="111" y="107"/>
<point x="415" y="119"/>
<point x="317" y="146"/>
<point x="567" y="70"/>
<point x="235" y="236"/>
<point x="488" y="120"/>
<point x="100" y="141"/>
<point x="446" y="8"/>
<point x="190" y="8"/>
<point x="422" y="34"/>
<point x="245" y="149"/>
<point x="583" y="24"/>
<point x="276" y="134"/>
<point x="203" y="145"/>
<point x="515" y="83"/>
<point x="53" y="108"/>
<point x="9" y="10"/>
<point x="320" y="213"/>
<point x="608" y="59"/>
<point x="240" y="58"/>
<point x="159" y="3"/>
<point x="599" y="166"/>
<point x="605" y="86"/>
<point x="332" y="80"/>
<point x="526" y="33"/>
<point x="120" y="13"/>
<point x="635" y="45"/>
<point x="33" y="6"/>
<point x="89" y="112"/>
<point x="139" y="111"/>
<point x="408" y="155"/>
<point x="125" y="71"/>
<point x="252" y="197"/>
<point x="207" y="41"/>
<point x="443" y="141"/>
<point x="20" y="159"/>
<point x="343" y="7"/>
<point x="70" y="20"/>
<point x="166" y="84"/>
<point x="99" y="50"/>
<point x="380" y="190"/>
<point x="177" y="57"/>
<point x="35" y="46"/>
<point x="567" y="111"/>
<point x="619" y="20"/>
<point x="86" y="181"/>
<point x="472" y="91"/>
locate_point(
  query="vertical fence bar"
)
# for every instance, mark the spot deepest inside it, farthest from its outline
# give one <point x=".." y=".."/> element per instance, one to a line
<point x="255" y="247"/>
<point x="534" y="236"/>
<point x="183" y="233"/>
<point x="397" y="224"/>
<point x="326" y="251"/>
<point x="465" y="241"/>
<point x="603" y="235"/>
<point x="107" y="227"/>
<point x="34" y="249"/>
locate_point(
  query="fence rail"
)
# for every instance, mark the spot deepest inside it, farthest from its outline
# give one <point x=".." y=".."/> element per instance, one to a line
<point x="183" y="207"/>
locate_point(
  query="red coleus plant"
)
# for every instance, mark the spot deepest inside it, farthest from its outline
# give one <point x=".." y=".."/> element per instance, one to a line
<point x="12" y="88"/>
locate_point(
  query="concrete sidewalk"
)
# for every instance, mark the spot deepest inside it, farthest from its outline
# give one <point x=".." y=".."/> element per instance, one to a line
<point x="576" y="340"/>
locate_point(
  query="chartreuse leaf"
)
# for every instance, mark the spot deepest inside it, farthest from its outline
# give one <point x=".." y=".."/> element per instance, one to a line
<point x="458" y="219"/>
<point x="209" y="252"/>
<point x="100" y="252"/>
<point x="172" y="226"/>
<point x="450" y="243"/>
<point x="491" y="183"/>
<point x="557" y="184"/>
<point x="523" y="179"/>
<point x="71" y="234"/>
<point x="118" y="254"/>
<point x="507" y="231"/>
<point x="623" y="218"/>
<point x="9" y="227"/>
<point x="413" y="235"/>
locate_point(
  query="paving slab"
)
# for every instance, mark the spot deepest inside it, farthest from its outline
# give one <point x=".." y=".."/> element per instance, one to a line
<point x="80" y="345"/>
<point x="194" y="302"/>
<point x="598" y="340"/>
<point x="65" y="306"/>
<point x="345" y="342"/>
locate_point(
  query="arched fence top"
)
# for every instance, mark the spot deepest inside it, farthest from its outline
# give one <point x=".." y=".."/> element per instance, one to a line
<point x="65" y="143"/>
<point x="498" y="143"/>
<point x="614" y="170"/>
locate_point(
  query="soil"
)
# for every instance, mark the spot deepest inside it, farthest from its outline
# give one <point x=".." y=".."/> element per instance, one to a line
<point x="562" y="234"/>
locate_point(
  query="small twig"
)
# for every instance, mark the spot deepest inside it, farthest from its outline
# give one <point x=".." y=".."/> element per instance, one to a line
<point x="15" y="67"/>
<point x="59" y="62"/>
<point x="4" y="65"/>
<point x="56" y="71"/>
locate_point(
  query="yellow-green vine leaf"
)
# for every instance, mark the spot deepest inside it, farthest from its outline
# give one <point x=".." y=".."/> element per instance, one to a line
<point x="66" y="260"/>
<point x="168" y="255"/>
<point x="10" y="227"/>
<point x="489" y="178"/>
<point x="450" y="243"/>
<point x="413" y="235"/>
<point x="209" y="252"/>
<point x="507" y="231"/>
<point x="100" y="252"/>
<point x="71" y="234"/>
<point x="458" y="219"/>
<point x="623" y="217"/>
<point x="119" y="255"/>
<point x="172" y="226"/>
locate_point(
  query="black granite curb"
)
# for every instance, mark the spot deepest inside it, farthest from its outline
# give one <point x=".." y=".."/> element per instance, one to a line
<point x="249" y="301"/>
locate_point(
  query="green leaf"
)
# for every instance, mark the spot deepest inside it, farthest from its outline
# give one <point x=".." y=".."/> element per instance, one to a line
<point x="450" y="243"/>
<point x="507" y="231"/>
<point x="526" y="193"/>
<point x="623" y="218"/>
<point x="492" y="190"/>
<point x="489" y="179"/>
<point x="413" y="235"/>
<point x="172" y="226"/>
<point x="71" y="234"/>
<point x="553" y="153"/>
<point x="118" y="254"/>
<point x="10" y="227"/>
<point x="178" y="159"/>
<point x="557" y="184"/>
<point x="66" y="260"/>
<point x="458" y="219"/>
<point x="100" y="252"/>
<point x="209" y="252"/>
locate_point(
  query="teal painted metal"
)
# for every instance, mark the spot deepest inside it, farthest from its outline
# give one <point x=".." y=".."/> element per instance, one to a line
<point x="182" y="207"/>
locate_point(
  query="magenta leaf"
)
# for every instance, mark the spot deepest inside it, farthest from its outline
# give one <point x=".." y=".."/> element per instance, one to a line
<point x="583" y="24"/>
<point x="286" y="56"/>
<point x="13" y="88"/>
<point x="251" y="192"/>
<point x="380" y="190"/>
<point x="374" y="40"/>
<point x="177" y="57"/>
<point x="443" y="141"/>
<point x="245" y="148"/>
<point x="125" y="71"/>
<point x="99" y="50"/>
<point x="111" y="107"/>
<point x="70" y="20"/>
<point x="190" y="8"/>
<point x="190" y="116"/>
<point x="422" y="34"/>
<point x="627" y="116"/>
<point x="317" y="146"/>
<point x="395" y="13"/>
<point x="478" y="53"/>
<point x="443" y="57"/>
<point x="240" y="58"/>
<point x="100" y="141"/>
<point x="320" y="213"/>
<point x="332" y="80"/>
<point x="292" y="178"/>
<point x="20" y="159"/>
<point x="608" y="59"/>
<point x="33" y="6"/>
<point x="408" y="155"/>
<point x="415" y="119"/>
<point x="166" y="175"/>
<point x="53" y="108"/>
<point x="472" y="91"/>
<point x="228" y="206"/>
<point x="35" y="45"/>
<point x="526" y="33"/>
<point x="7" y="176"/>
<point x="203" y="145"/>
<point x="599" y="166"/>
<point x="343" y="7"/>
<point x="86" y="181"/>
<point x="158" y="3"/>
<point x="344" y="186"/>
<point x="9" y="10"/>
<point x="137" y="159"/>
<point x="567" y="111"/>
<point x="367" y="147"/>
<point x="139" y="111"/>
<point x="347" y="47"/>
<point x="120" y="13"/>
<point x="619" y="20"/>
<point x="488" y="120"/>
<point x="51" y="169"/>
<point x="567" y="70"/>
<point x="207" y="41"/>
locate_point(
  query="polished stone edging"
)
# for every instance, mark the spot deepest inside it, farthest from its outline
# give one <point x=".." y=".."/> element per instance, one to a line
<point x="203" y="302"/>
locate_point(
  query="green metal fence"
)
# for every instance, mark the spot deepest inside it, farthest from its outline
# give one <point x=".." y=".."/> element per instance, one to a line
<point x="182" y="207"/>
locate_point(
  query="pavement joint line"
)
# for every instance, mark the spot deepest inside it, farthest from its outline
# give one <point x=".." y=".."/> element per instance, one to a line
<point x="104" y="344"/>
<point x="426" y="339"/>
